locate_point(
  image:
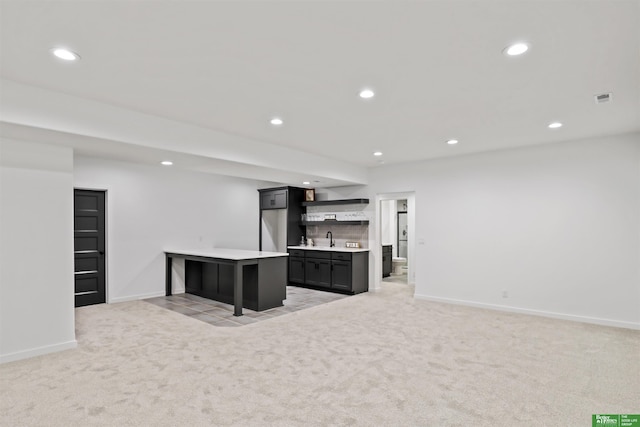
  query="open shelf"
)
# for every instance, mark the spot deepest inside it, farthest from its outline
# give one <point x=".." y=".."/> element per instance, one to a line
<point x="337" y="202"/>
<point x="363" y="222"/>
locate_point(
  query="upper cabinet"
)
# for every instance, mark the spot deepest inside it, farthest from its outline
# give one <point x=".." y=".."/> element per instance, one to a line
<point x="273" y="199"/>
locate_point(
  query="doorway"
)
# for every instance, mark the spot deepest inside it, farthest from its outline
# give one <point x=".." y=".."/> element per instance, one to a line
<point x="89" y="245"/>
<point x="395" y="237"/>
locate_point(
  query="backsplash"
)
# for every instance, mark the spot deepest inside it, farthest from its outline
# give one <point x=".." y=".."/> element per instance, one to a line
<point x="341" y="234"/>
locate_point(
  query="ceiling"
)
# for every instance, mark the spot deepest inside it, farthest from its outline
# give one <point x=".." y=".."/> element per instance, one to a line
<point x="227" y="68"/>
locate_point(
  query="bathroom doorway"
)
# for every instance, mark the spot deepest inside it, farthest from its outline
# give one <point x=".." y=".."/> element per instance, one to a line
<point x="396" y="214"/>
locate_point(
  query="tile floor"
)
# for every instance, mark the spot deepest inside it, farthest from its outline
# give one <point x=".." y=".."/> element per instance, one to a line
<point x="221" y="314"/>
<point x="396" y="278"/>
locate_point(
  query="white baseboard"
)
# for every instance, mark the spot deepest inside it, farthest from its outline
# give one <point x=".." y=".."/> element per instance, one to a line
<point x="561" y="316"/>
<point x="25" y="354"/>
<point x="137" y="297"/>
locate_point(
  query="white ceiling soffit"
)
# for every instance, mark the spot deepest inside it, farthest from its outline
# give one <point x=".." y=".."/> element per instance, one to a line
<point x="216" y="72"/>
<point x="96" y="129"/>
<point x="118" y="151"/>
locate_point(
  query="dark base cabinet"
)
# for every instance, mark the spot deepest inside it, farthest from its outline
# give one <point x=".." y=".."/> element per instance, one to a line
<point x="344" y="272"/>
<point x="317" y="269"/>
<point x="296" y="270"/>
<point x="215" y="281"/>
<point x="387" y="260"/>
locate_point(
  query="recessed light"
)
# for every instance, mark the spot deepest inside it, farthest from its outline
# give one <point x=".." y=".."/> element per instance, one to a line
<point x="166" y="163"/>
<point x="555" y="125"/>
<point x="378" y="153"/>
<point x="366" y="94"/>
<point x="276" y="121"/>
<point x="65" y="54"/>
<point x="452" y="141"/>
<point x="306" y="183"/>
<point x="516" y="49"/>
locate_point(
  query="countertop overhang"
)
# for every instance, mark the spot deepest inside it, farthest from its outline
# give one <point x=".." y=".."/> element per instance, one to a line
<point x="222" y="253"/>
<point x="327" y="248"/>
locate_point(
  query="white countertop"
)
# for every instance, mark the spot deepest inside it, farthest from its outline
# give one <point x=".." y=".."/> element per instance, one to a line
<point x="230" y="254"/>
<point x="327" y="248"/>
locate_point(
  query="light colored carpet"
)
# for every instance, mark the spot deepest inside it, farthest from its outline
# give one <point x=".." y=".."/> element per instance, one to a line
<point x="376" y="359"/>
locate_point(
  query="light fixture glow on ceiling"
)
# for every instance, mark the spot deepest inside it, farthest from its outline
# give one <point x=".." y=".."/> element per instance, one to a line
<point x="366" y="94"/>
<point x="276" y="121"/>
<point x="378" y="153"/>
<point x="306" y="183"/>
<point x="555" y="125"/>
<point x="65" y="54"/>
<point x="166" y="163"/>
<point x="516" y="49"/>
<point x="452" y="141"/>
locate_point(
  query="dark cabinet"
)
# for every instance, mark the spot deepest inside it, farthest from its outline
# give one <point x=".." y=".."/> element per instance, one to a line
<point x="387" y="258"/>
<point x="341" y="271"/>
<point x="317" y="269"/>
<point x="344" y="272"/>
<point x="296" y="269"/>
<point x="273" y="199"/>
<point x="263" y="284"/>
<point x="341" y="275"/>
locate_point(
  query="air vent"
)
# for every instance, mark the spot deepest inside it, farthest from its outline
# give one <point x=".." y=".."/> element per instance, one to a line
<point x="603" y="97"/>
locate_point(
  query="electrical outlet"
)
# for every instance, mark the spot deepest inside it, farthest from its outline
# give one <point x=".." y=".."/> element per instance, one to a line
<point x="505" y="294"/>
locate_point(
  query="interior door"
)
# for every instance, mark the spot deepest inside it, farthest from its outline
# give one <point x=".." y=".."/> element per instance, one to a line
<point x="403" y="234"/>
<point x="89" y="247"/>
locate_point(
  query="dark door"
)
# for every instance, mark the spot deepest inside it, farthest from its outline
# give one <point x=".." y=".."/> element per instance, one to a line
<point x="89" y="246"/>
<point x="318" y="272"/>
<point x="296" y="270"/>
<point x="341" y="275"/>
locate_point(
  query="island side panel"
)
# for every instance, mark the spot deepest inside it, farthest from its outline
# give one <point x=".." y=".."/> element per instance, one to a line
<point x="272" y="279"/>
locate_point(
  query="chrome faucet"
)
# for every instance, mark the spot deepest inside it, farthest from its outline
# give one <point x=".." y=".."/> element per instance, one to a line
<point x="330" y="237"/>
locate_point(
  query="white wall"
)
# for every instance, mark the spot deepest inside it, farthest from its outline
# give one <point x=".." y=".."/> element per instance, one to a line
<point x="150" y="208"/>
<point x="36" y="250"/>
<point x="557" y="227"/>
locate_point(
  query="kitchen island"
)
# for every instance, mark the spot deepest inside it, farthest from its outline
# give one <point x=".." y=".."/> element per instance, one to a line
<point x="254" y="279"/>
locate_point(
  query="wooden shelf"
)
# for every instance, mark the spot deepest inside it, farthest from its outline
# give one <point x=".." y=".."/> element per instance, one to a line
<point x="307" y="223"/>
<point x="337" y="202"/>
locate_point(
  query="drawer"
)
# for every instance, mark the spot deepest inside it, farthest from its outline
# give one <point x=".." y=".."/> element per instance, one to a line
<point x="342" y="256"/>
<point x="318" y="254"/>
<point x="296" y="253"/>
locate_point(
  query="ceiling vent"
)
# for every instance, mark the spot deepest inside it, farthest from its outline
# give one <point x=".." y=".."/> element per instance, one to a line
<point x="603" y="97"/>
